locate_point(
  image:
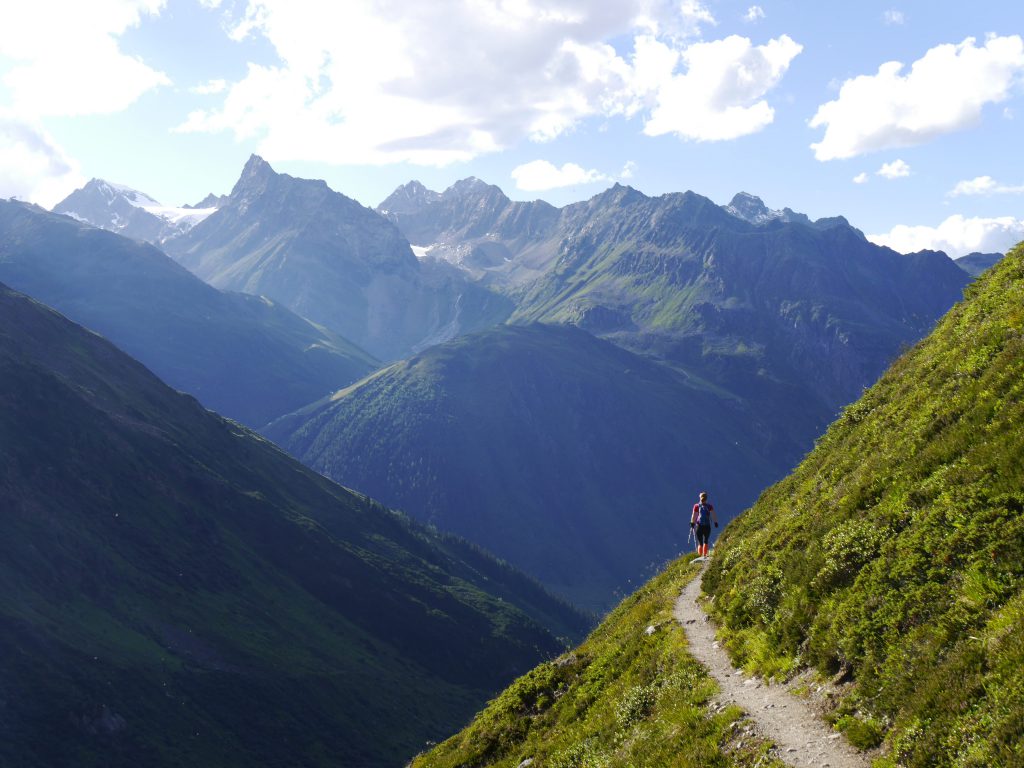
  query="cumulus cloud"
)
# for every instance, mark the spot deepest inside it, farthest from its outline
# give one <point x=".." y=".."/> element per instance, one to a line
<point x="539" y="175"/>
<point x="379" y="83"/>
<point x="101" y="78"/>
<point x="754" y="13"/>
<point x="957" y="236"/>
<point x="860" y="178"/>
<point x="32" y="166"/>
<point x="628" y="170"/>
<point x="720" y="96"/>
<point x="944" y="91"/>
<point x="985" y="185"/>
<point x="897" y="169"/>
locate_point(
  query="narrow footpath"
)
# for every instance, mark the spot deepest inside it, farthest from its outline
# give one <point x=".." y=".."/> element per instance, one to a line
<point x="801" y="737"/>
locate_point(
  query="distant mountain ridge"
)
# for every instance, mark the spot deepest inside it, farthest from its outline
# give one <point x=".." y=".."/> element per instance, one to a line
<point x="976" y="263"/>
<point x="327" y="258"/>
<point x="179" y="592"/>
<point x="752" y="209"/>
<point x="243" y="356"/>
<point x="795" y="318"/>
<point x="475" y="226"/>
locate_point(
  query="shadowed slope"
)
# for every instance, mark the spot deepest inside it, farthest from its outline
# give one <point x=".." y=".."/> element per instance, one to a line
<point x="175" y="590"/>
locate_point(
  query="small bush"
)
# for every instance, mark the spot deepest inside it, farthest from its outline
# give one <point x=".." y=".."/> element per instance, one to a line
<point x="636" y="705"/>
<point x="863" y="734"/>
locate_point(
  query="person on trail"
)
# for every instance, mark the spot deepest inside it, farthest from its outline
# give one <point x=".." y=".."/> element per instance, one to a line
<point x="701" y="519"/>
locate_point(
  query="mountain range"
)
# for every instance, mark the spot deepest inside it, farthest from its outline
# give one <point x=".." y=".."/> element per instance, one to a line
<point x="573" y="459"/>
<point x="246" y="357"/>
<point x="777" y="317"/>
<point x="178" y="591"/>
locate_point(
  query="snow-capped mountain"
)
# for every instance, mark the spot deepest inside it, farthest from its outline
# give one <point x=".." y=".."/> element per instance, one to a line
<point x="129" y="212"/>
<point x="752" y="209"/>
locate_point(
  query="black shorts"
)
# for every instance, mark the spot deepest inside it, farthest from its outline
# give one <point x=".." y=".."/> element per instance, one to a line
<point x="704" y="534"/>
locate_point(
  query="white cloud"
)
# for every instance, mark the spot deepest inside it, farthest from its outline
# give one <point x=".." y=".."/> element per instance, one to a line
<point x="957" y="236"/>
<point x="32" y="166"/>
<point x="897" y="169"/>
<point x="721" y="94"/>
<point x="754" y="13"/>
<point x="860" y="178"/>
<point x="984" y="185"/>
<point x="540" y="175"/>
<point x="892" y="17"/>
<point x="628" y="170"/>
<point x="66" y="58"/>
<point x="944" y="91"/>
<point x="375" y="83"/>
<point x="696" y="12"/>
<point x="210" y="87"/>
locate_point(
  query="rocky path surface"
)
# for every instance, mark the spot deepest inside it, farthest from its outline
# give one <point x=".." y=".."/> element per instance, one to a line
<point x="801" y="737"/>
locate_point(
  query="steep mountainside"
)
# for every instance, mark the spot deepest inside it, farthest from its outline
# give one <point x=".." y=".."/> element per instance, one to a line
<point x="475" y="226"/>
<point x="796" y="319"/>
<point x="131" y="213"/>
<point x="176" y="591"/>
<point x="328" y="258"/>
<point x="895" y="552"/>
<point x="240" y="355"/>
<point x="570" y="457"/>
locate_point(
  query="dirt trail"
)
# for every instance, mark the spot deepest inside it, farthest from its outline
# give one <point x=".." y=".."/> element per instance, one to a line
<point x="801" y="737"/>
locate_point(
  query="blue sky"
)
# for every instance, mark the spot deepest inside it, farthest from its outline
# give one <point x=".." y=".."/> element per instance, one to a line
<point x="905" y="117"/>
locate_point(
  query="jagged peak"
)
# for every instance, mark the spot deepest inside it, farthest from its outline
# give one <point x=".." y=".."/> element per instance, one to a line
<point x="255" y="175"/>
<point x="471" y="185"/>
<point x="619" y="194"/>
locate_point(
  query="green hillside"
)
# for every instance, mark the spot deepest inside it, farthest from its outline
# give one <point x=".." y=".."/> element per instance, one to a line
<point x="174" y="590"/>
<point x="895" y="552"/>
<point x="568" y="456"/>
<point x="626" y="697"/>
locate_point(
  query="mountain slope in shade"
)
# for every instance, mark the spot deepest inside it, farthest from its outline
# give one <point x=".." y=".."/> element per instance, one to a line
<point x="328" y="258"/>
<point x="476" y="227"/>
<point x="899" y="559"/>
<point x="573" y="459"/>
<point x="131" y="213"/>
<point x="176" y="591"/>
<point x="796" y="319"/>
<point x="243" y="356"/>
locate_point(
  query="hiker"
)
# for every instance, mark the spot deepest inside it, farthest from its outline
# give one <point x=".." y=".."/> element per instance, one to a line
<point x="701" y="519"/>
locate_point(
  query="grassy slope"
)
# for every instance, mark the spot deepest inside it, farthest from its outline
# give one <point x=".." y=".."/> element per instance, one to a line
<point x="622" y="698"/>
<point x="173" y="589"/>
<point x="896" y="549"/>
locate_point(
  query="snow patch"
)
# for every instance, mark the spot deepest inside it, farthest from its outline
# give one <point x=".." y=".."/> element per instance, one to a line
<point x="421" y="250"/>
